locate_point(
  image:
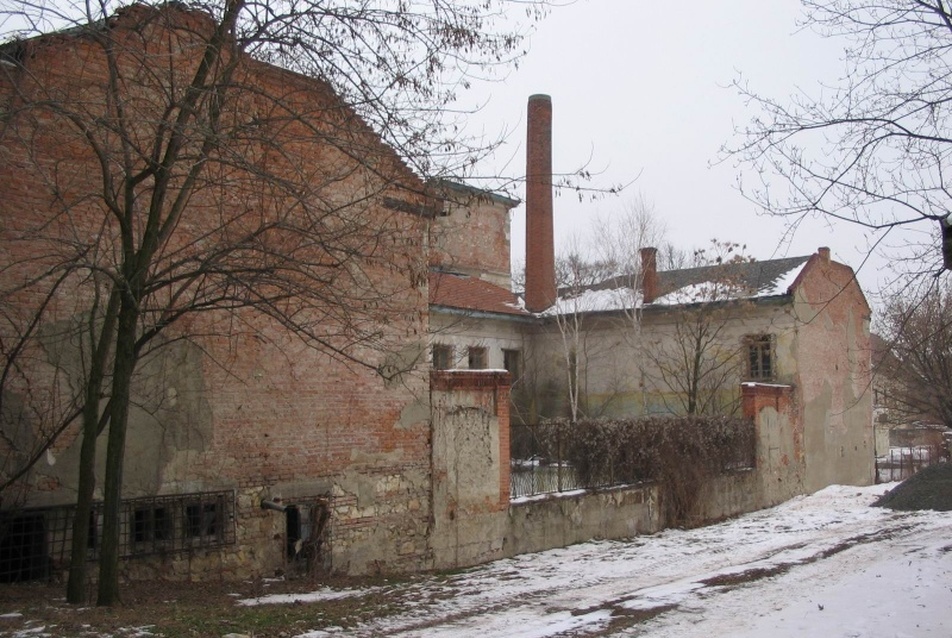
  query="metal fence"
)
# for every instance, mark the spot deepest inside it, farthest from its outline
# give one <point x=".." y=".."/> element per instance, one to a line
<point x="899" y="463"/>
<point x="553" y="457"/>
<point x="537" y="464"/>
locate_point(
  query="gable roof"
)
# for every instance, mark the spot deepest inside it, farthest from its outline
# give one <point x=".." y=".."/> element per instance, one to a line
<point x="472" y="294"/>
<point x="756" y="279"/>
<point x="685" y="286"/>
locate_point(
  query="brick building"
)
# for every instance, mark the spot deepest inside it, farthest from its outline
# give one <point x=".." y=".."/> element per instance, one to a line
<point x="284" y="419"/>
<point x="308" y="431"/>
<point x="798" y="322"/>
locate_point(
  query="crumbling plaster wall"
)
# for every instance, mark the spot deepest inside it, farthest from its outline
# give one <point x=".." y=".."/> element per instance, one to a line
<point x="833" y="377"/>
<point x="470" y="467"/>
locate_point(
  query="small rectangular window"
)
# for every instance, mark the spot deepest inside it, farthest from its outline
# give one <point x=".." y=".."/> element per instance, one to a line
<point x="512" y="361"/>
<point x="760" y="359"/>
<point x="442" y="356"/>
<point x="477" y="358"/>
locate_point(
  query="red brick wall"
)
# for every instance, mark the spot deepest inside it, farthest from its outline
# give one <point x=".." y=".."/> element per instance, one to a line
<point x="262" y="413"/>
<point x="472" y="236"/>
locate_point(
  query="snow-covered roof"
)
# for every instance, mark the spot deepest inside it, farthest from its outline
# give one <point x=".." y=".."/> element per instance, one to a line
<point x="721" y="282"/>
<point x="596" y="301"/>
<point x="777" y="283"/>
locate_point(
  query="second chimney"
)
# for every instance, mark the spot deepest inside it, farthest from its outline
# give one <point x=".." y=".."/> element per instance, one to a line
<point x="540" y="250"/>
<point x="649" y="274"/>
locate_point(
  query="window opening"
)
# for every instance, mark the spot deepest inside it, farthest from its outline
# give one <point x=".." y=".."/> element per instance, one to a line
<point x="202" y="520"/>
<point x="477" y="358"/>
<point x="151" y="524"/>
<point x="512" y="361"/>
<point x="760" y="360"/>
<point x="23" y="552"/>
<point x="442" y="357"/>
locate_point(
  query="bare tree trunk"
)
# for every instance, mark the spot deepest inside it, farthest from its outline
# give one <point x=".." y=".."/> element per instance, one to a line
<point x="76" y="585"/>
<point x="115" y="451"/>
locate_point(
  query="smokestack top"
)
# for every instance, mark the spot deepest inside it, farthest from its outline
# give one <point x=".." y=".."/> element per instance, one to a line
<point x="540" y="96"/>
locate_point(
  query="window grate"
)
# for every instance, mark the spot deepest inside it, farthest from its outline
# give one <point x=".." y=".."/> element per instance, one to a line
<point x="34" y="543"/>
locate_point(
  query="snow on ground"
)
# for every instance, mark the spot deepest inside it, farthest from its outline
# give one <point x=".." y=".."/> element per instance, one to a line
<point x="824" y="565"/>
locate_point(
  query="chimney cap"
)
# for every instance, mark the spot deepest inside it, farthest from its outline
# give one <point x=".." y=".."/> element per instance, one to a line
<point x="540" y="96"/>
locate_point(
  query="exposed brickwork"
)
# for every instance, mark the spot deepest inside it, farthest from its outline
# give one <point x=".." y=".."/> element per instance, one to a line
<point x="834" y="374"/>
<point x="245" y="405"/>
<point x="649" y="274"/>
<point x="540" y="252"/>
<point x="756" y="396"/>
<point x="472" y="234"/>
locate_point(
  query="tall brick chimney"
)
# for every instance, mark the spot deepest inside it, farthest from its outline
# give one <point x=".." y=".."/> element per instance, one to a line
<point x="540" y="250"/>
<point x="649" y="274"/>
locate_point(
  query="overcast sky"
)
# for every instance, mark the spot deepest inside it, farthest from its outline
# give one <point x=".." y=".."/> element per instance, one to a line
<point x="643" y="89"/>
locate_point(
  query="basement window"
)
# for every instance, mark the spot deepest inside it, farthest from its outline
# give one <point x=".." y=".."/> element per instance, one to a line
<point x="477" y="358"/>
<point x="760" y="357"/>
<point x="151" y="525"/>
<point x="36" y="542"/>
<point x="202" y="520"/>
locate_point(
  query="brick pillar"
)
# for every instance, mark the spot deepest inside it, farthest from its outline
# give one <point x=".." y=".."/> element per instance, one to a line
<point x="540" y="249"/>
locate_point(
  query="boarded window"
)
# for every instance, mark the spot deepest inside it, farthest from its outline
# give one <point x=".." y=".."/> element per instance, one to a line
<point x="760" y="357"/>
<point x="442" y="357"/>
<point x="477" y="358"/>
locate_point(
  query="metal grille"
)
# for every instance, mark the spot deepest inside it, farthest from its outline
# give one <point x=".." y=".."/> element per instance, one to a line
<point x="35" y="543"/>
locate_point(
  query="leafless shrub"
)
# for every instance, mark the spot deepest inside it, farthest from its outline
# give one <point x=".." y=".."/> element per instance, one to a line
<point x="680" y="453"/>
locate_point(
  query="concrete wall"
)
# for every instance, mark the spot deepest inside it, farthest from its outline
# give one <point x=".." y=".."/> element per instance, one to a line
<point x="821" y="348"/>
<point x="539" y="524"/>
<point x="618" y="362"/>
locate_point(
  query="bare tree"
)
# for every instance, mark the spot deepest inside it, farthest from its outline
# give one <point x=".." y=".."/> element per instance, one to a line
<point x="872" y="150"/>
<point x="222" y="161"/>
<point x="598" y="275"/>
<point x="697" y="365"/>
<point x="916" y="365"/>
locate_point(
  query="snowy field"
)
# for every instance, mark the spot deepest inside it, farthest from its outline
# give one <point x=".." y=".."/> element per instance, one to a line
<point x="824" y="565"/>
